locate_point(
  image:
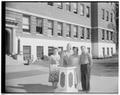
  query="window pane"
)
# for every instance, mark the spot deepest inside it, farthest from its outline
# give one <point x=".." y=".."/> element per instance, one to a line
<point x="26" y="52"/>
<point x="26" y="23"/>
<point x="39" y="29"/>
<point x="81" y="9"/>
<point x="111" y="35"/>
<point x="60" y="29"/>
<point x="107" y="51"/>
<point x="75" y="31"/>
<point x="111" y="51"/>
<point x="50" y="50"/>
<point x="75" y="7"/>
<point x="88" y="11"/>
<point x="50" y="27"/>
<point x="25" y="27"/>
<point x="107" y="35"/>
<point x="88" y="33"/>
<point x="40" y="51"/>
<point x="82" y="36"/>
<point x="39" y="22"/>
<point x="49" y="32"/>
<point x="103" y="34"/>
<point x="50" y="3"/>
<point x="107" y="16"/>
<point x="68" y="30"/>
<point x="103" y="13"/>
<point x="68" y="6"/>
<point x="25" y="20"/>
<point x="111" y="17"/>
<point x="59" y="5"/>
<point x="50" y="24"/>
<point x="103" y="52"/>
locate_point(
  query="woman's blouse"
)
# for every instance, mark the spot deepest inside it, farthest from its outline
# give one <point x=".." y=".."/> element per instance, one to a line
<point x="54" y="61"/>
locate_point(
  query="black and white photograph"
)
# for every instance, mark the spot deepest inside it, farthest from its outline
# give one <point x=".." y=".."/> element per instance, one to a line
<point x="60" y="47"/>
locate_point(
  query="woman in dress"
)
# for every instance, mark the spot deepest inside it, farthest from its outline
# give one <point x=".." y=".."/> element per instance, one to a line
<point x="75" y="62"/>
<point x="54" y="72"/>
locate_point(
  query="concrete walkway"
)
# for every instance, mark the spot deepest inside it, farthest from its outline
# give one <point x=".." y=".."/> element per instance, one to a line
<point x="33" y="78"/>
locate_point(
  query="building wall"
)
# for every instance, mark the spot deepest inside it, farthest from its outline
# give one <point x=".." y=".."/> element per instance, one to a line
<point x="104" y="23"/>
<point x="33" y="42"/>
<point x="98" y="24"/>
<point x="97" y="49"/>
<point x="47" y="11"/>
<point x="34" y="39"/>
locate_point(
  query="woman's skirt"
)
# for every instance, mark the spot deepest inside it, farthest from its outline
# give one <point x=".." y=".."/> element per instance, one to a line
<point x="54" y="76"/>
<point x="78" y="77"/>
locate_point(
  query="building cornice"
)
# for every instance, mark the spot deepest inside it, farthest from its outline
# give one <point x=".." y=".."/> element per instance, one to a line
<point x="102" y="28"/>
<point x="39" y="15"/>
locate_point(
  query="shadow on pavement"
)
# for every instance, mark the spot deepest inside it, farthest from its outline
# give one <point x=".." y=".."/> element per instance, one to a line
<point x="105" y="69"/>
<point x="21" y="74"/>
<point x="32" y="88"/>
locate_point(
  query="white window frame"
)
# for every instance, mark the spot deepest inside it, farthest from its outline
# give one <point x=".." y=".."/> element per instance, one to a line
<point x="82" y="9"/>
<point x="68" y="30"/>
<point x="26" y="25"/>
<point x="75" y="7"/>
<point x="60" y="28"/>
<point x="50" y="28"/>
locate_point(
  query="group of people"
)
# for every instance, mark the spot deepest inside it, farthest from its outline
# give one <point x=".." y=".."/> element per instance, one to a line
<point x="70" y="57"/>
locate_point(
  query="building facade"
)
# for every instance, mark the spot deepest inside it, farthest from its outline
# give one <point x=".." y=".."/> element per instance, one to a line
<point x="103" y="29"/>
<point x="34" y="28"/>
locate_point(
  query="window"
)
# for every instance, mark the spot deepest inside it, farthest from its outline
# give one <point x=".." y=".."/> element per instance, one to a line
<point x="88" y="11"/>
<point x="111" y="51"/>
<point x="103" y="34"/>
<point x="50" y="51"/>
<point x="88" y="33"/>
<point x="75" y="30"/>
<point x="111" y="17"/>
<point x="103" y="14"/>
<point x="111" y="36"/>
<point x="107" y="16"/>
<point x="50" y="3"/>
<point x="60" y="5"/>
<point x="68" y="30"/>
<point x="81" y="9"/>
<point x="50" y="27"/>
<point x="107" y="35"/>
<point x="39" y="23"/>
<point x="26" y="23"/>
<point x="60" y="29"/>
<point x="83" y="29"/>
<point x="68" y="7"/>
<point x="75" y="7"/>
<point x="26" y="52"/>
<point x="103" y="51"/>
<point x="18" y="46"/>
<point x="88" y="50"/>
<point x="107" y="51"/>
<point x="39" y="52"/>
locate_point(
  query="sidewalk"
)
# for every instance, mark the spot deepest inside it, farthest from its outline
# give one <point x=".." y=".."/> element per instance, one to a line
<point x="33" y="78"/>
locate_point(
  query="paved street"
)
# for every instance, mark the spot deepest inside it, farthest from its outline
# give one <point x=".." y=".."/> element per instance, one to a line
<point x="34" y="78"/>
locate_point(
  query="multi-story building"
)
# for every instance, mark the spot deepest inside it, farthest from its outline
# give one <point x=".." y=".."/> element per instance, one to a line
<point x="34" y="28"/>
<point x="103" y="29"/>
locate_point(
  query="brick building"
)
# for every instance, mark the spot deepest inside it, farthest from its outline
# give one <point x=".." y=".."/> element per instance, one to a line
<point x="34" y="28"/>
<point x="103" y="29"/>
